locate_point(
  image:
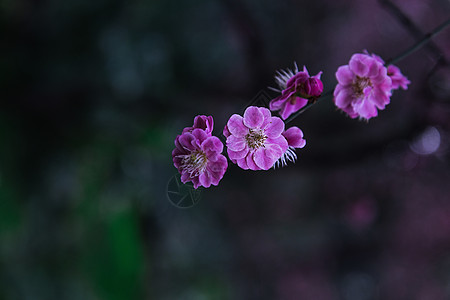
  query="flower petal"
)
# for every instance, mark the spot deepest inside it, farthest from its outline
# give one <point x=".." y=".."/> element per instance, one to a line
<point x="235" y="143"/>
<point x="267" y="115"/>
<point x="217" y="169"/>
<point x="226" y="132"/>
<point x="344" y="97"/>
<point x="290" y="108"/>
<point x="200" y="135"/>
<point x="266" y="157"/>
<point x="242" y="163"/>
<point x="236" y="126"/>
<point x="379" y="98"/>
<point x="251" y="163"/>
<point x="277" y="103"/>
<point x="253" y="117"/>
<point x="294" y="137"/>
<point x="344" y="75"/>
<point x="358" y="64"/>
<point x="236" y="155"/>
<point x="280" y="143"/>
<point x="365" y="108"/>
<point x="274" y="128"/>
<point x="187" y="141"/>
<point x="185" y="177"/>
<point x="205" y="179"/>
<point x="212" y="144"/>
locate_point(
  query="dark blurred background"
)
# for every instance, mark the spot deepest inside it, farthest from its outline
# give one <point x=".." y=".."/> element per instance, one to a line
<point x="93" y="94"/>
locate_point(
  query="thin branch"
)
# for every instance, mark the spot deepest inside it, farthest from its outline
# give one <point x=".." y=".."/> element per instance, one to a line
<point x="412" y="28"/>
<point x="426" y="39"/>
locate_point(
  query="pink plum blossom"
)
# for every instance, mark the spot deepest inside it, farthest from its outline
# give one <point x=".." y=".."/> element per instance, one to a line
<point x="294" y="137"/>
<point x="197" y="156"/>
<point x="255" y="141"/>
<point x="296" y="88"/>
<point x="363" y="86"/>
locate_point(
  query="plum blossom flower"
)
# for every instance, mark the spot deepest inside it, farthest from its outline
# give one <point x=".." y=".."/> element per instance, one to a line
<point x="296" y="89"/>
<point x="363" y="86"/>
<point x="255" y="141"/>
<point x="294" y="137"/>
<point x="203" y="122"/>
<point x="197" y="156"/>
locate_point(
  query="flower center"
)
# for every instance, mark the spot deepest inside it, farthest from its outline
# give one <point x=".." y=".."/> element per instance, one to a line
<point x="360" y="84"/>
<point x="194" y="163"/>
<point x="255" y="138"/>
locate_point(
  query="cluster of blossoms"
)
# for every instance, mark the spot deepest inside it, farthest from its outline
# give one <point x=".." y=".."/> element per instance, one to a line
<point x="258" y="140"/>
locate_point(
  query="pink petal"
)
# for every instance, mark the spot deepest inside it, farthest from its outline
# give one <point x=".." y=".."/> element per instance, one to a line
<point x="365" y="109"/>
<point x="379" y="98"/>
<point x="235" y="143"/>
<point x="380" y="77"/>
<point x="236" y="126"/>
<point x="279" y="144"/>
<point x="186" y="141"/>
<point x="274" y="128"/>
<point x="185" y="177"/>
<point x="200" y="134"/>
<point x="253" y="117"/>
<point x="226" y="132"/>
<point x="301" y="144"/>
<point x="294" y="137"/>
<point x="236" y="155"/>
<point x="292" y="108"/>
<point x="251" y="163"/>
<point x="196" y="182"/>
<point x="266" y="157"/>
<point x="358" y="65"/>
<point x="374" y="67"/>
<point x="344" y="98"/>
<point x="205" y="180"/>
<point x="344" y="75"/>
<point x="219" y="166"/>
<point x="242" y="163"/>
<point x="267" y="115"/>
<point x="298" y="78"/>
<point x="177" y="161"/>
<point x="277" y="103"/>
<point x="217" y="170"/>
<point x="212" y="144"/>
<point x="179" y="151"/>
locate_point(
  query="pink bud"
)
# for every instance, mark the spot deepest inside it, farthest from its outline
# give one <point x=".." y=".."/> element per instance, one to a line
<point x="312" y="88"/>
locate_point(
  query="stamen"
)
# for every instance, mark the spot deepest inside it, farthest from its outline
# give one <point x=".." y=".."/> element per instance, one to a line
<point x="194" y="163"/>
<point x="283" y="76"/>
<point x="255" y="138"/>
<point x="360" y="84"/>
<point x="289" y="155"/>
